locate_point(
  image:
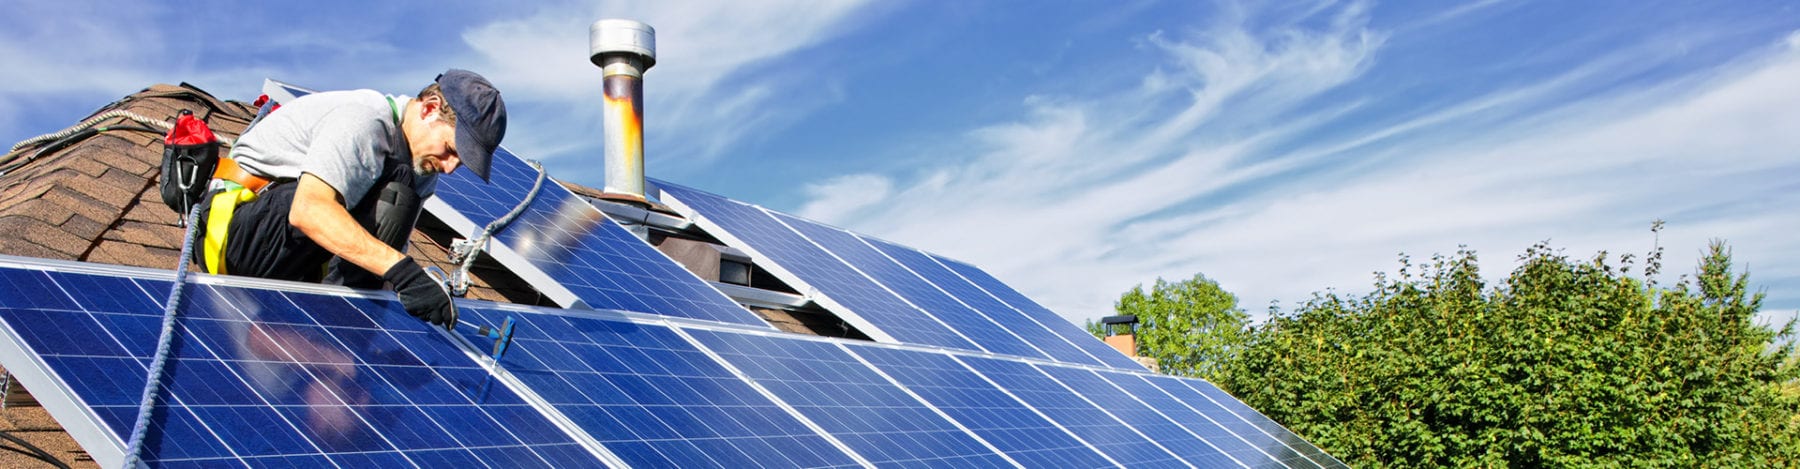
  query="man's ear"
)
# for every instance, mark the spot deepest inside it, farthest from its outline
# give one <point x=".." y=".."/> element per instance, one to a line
<point x="429" y="106"/>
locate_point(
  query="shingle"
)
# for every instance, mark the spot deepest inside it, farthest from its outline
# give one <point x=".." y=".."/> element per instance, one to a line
<point x="83" y="204"/>
<point x="44" y="234"/>
<point x="160" y="236"/>
<point x="20" y="247"/>
<point x="39" y="209"/>
<point x="123" y="253"/>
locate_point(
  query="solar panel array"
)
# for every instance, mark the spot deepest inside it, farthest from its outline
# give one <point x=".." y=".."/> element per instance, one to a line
<point x="649" y="367"/>
<point x="911" y="296"/>
<point x="263" y="377"/>
<point x="275" y="373"/>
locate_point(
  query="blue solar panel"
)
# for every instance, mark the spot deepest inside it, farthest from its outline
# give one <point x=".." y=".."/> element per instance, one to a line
<point x="577" y="247"/>
<point x="261" y="377"/>
<point x="652" y="398"/>
<point x="988" y="411"/>
<point x="1142" y="418"/>
<point x="762" y="234"/>
<point x="1049" y="319"/>
<point x="1199" y="424"/>
<point x="1022" y="326"/>
<point x="1093" y="425"/>
<point x="1258" y="420"/>
<point x="569" y="242"/>
<point x="1176" y="388"/>
<point x="971" y="324"/>
<point x="850" y="401"/>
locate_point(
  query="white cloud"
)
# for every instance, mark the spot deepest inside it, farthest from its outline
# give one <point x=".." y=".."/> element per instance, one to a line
<point x="834" y="198"/>
<point x="1099" y="195"/>
<point x="700" y="99"/>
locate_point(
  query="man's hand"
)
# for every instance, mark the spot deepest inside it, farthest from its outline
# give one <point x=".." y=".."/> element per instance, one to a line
<point x="423" y="297"/>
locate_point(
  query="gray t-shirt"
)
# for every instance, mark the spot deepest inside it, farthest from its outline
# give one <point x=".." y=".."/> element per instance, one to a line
<point x="342" y="137"/>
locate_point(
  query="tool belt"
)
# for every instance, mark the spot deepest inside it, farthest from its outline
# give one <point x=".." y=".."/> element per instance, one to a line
<point x="235" y="187"/>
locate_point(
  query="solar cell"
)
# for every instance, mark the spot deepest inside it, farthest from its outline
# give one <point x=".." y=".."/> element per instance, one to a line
<point x="1230" y="421"/>
<point x="652" y="398"/>
<point x="974" y="326"/>
<point x="849" y="400"/>
<point x="990" y="412"/>
<point x="1257" y="419"/>
<point x="1140" y="417"/>
<point x="1073" y="412"/>
<point x="1196" y="423"/>
<point x="1049" y="319"/>
<point x="1022" y="326"/>
<point x="561" y="240"/>
<point x="800" y="262"/>
<point x="253" y="379"/>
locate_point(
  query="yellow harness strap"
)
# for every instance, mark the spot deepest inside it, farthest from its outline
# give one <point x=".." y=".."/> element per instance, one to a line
<point x="218" y="222"/>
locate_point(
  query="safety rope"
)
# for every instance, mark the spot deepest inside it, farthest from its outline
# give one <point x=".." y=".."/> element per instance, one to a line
<point x="163" y="345"/>
<point x="465" y="251"/>
<point x="91" y="122"/>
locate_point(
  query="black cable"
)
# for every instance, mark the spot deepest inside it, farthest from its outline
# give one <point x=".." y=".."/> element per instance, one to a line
<point x="30" y="450"/>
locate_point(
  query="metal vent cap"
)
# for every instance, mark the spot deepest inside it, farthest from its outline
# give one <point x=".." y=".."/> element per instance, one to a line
<point x="616" y="36"/>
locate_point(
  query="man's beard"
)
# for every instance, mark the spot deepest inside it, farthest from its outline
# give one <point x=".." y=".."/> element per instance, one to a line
<point x="420" y="167"/>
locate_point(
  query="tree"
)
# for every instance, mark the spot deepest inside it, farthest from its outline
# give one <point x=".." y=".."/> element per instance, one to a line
<point x="1191" y="328"/>
<point x="1565" y="363"/>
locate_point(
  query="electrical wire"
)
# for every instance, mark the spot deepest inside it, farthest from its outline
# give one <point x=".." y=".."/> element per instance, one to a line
<point x="30" y="450"/>
<point x="163" y="345"/>
<point x="467" y="251"/>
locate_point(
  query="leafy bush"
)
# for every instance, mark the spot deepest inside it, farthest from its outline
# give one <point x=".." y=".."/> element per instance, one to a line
<point x="1564" y="363"/>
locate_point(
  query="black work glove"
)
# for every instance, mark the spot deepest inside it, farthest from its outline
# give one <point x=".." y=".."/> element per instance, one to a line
<point x="423" y="297"/>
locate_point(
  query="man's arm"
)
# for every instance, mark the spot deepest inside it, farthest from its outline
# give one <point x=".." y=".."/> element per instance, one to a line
<point x="318" y="211"/>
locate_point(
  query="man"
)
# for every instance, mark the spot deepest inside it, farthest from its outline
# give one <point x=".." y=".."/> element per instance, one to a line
<point x="340" y="174"/>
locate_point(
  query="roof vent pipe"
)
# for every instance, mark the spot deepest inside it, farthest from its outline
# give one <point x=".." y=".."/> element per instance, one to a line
<point x="623" y="49"/>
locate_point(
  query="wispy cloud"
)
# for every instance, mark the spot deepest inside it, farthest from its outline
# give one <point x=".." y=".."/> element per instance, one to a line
<point x="719" y="76"/>
<point x="1083" y="196"/>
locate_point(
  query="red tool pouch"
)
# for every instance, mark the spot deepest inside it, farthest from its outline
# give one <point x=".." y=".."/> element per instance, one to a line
<point x="190" y="154"/>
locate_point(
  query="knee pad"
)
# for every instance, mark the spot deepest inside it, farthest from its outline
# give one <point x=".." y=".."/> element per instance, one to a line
<point x="396" y="210"/>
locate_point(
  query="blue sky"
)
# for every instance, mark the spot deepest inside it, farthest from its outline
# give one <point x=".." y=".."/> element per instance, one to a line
<point x="1078" y="148"/>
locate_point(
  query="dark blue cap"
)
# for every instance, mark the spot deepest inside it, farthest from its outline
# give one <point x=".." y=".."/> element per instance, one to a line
<point x="480" y="117"/>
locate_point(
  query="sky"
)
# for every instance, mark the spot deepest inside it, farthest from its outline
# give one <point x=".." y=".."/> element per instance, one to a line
<point x="1078" y="148"/>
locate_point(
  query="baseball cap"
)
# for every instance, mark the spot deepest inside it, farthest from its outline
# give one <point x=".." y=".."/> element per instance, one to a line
<point x="480" y="117"/>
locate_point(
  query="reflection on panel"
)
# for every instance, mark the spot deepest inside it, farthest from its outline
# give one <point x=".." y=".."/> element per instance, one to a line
<point x="569" y="242"/>
<point x="261" y="377"/>
<point x="850" y="401"/>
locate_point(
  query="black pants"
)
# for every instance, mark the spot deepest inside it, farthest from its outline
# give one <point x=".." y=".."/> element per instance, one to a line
<point x="261" y="243"/>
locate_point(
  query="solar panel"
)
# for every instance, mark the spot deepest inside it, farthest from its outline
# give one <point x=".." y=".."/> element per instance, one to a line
<point x="1070" y="410"/>
<point x="261" y="377"/>
<point x="1142" y="418"/>
<point x="1221" y="438"/>
<point x="1262" y="422"/>
<point x="974" y="326"/>
<point x="1013" y="428"/>
<point x="562" y="240"/>
<point x="653" y="399"/>
<point x="565" y="247"/>
<point x="1021" y="325"/>
<point x="1049" y="319"/>
<point x="840" y="287"/>
<point x="871" y="415"/>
